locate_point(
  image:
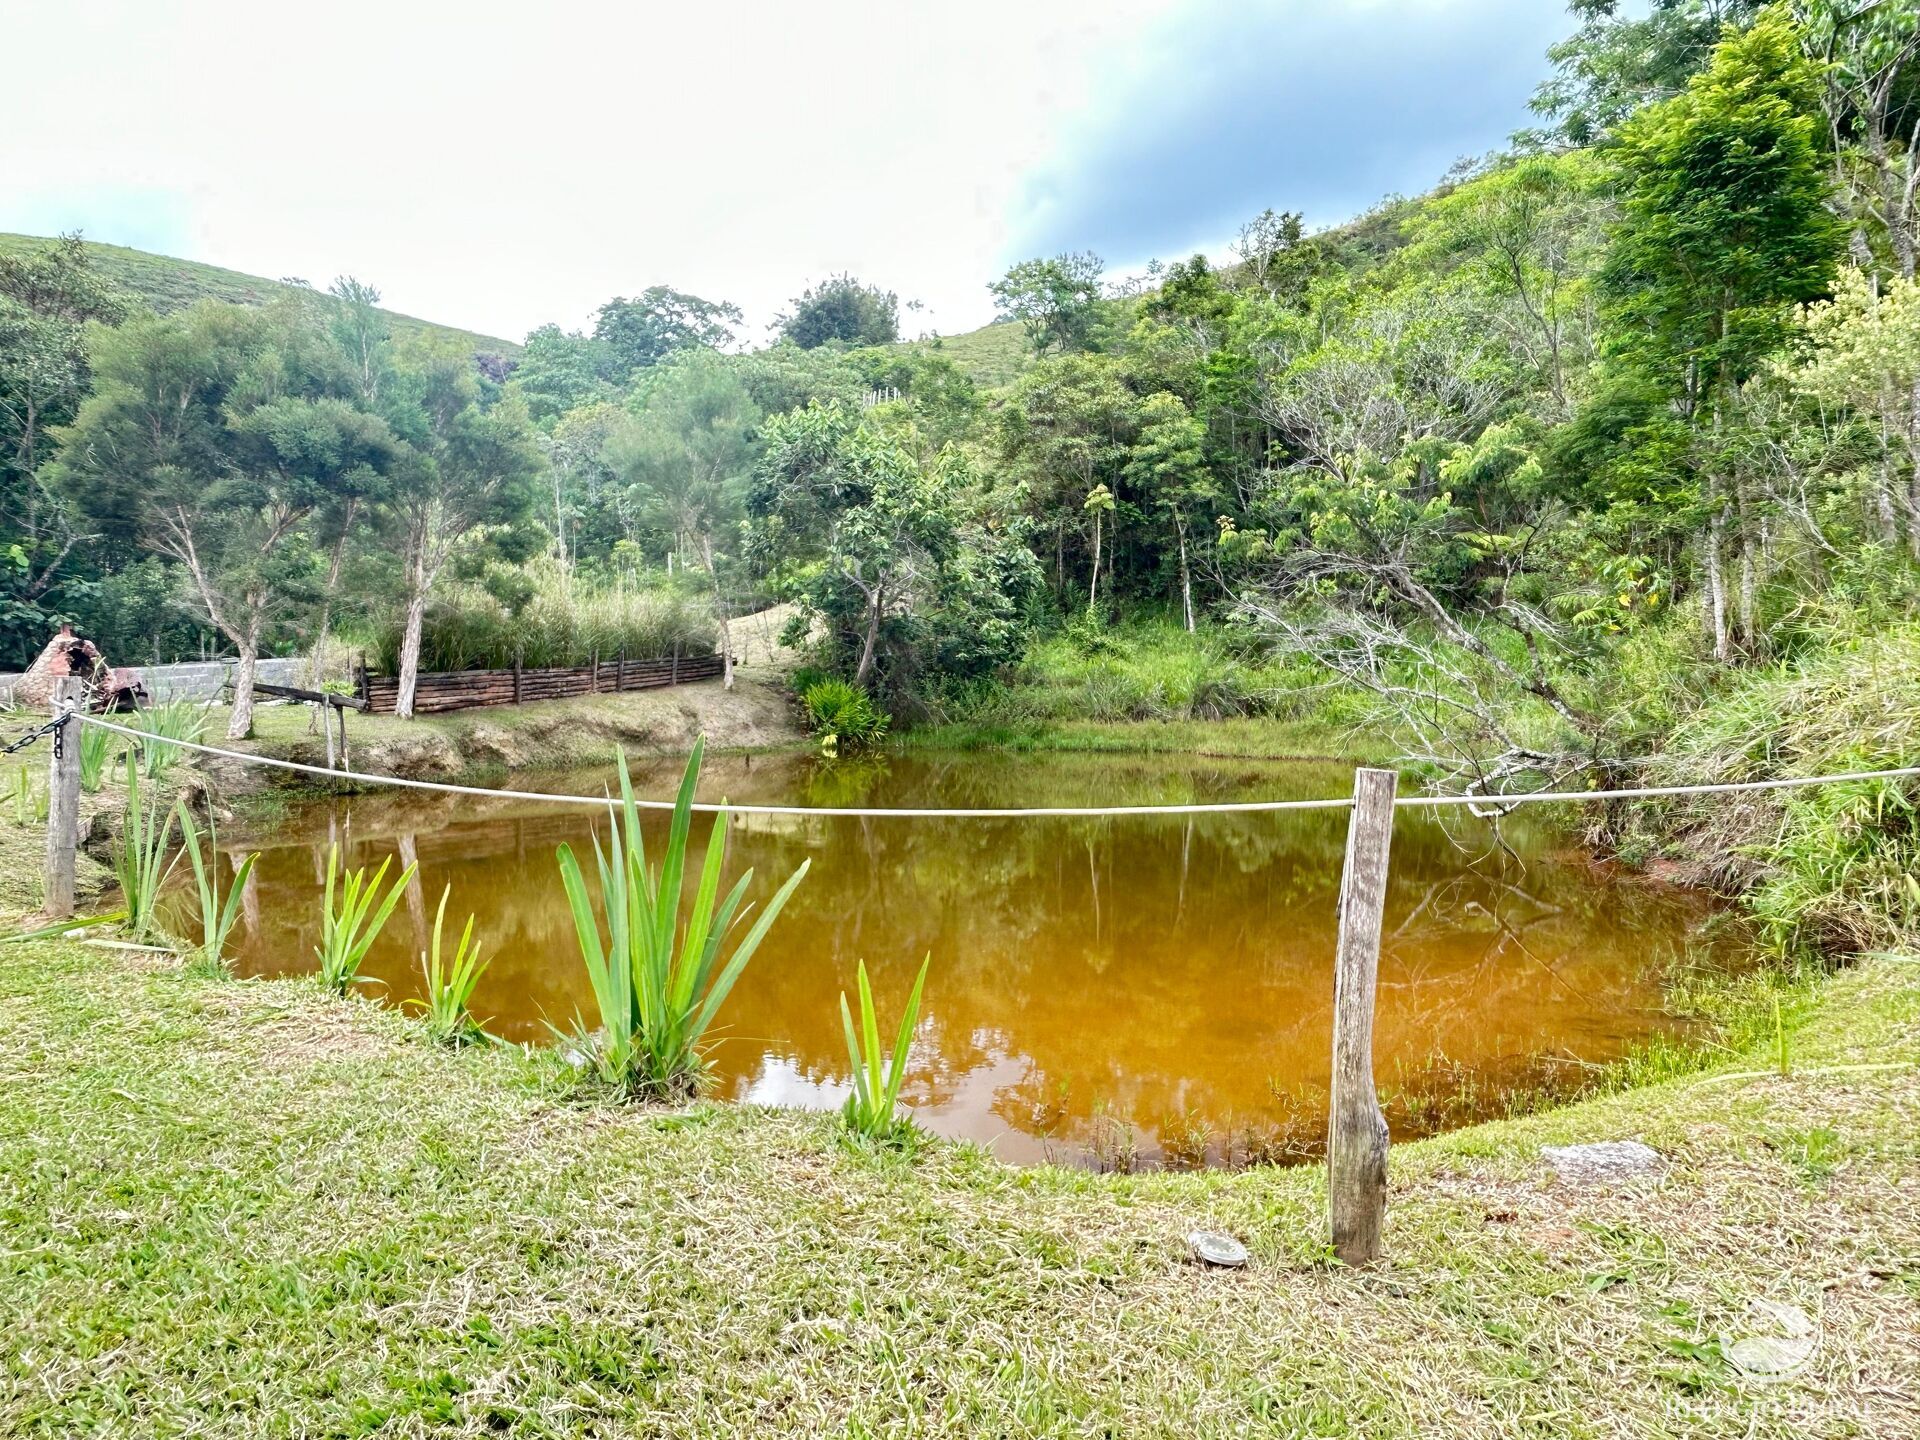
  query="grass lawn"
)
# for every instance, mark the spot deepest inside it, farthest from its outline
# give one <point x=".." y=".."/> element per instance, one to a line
<point x="245" y="1208"/>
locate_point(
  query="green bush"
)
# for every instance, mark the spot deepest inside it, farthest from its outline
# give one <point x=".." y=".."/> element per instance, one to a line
<point x="842" y="714"/>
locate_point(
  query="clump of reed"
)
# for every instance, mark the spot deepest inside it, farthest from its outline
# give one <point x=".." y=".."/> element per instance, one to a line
<point x="871" y="1111"/>
<point x="176" y="719"/>
<point x="29" y="801"/>
<point x="661" y="971"/>
<point x="348" y="930"/>
<point x="97" y="750"/>
<point x="140" y="861"/>
<point x="555" y="624"/>
<point x="450" y="981"/>
<point x="217" y="913"/>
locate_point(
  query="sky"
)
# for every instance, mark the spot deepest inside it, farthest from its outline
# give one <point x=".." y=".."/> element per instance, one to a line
<point x="501" y="166"/>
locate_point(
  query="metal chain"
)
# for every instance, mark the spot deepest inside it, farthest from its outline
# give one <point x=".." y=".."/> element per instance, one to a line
<point x="54" y="727"/>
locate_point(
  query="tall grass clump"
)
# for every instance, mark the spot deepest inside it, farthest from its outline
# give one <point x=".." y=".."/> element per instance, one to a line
<point x="140" y="862"/>
<point x="217" y="914"/>
<point x="1825" y="869"/>
<point x="347" y="931"/>
<point x="871" y="1110"/>
<point x="450" y="982"/>
<point x="29" y="802"/>
<point x="661" y="970"/>
<point x="96" y="754"/>
<point x="177" y="719"/>
<point x="557" y="623"/>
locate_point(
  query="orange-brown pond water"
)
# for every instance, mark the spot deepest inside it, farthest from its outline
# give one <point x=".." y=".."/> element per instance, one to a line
<point x="1112" y="992"/>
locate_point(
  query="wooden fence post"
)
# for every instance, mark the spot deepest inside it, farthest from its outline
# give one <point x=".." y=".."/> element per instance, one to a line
<point x="516" y="677"/>
<point x="1356" y="1130"/>
<point x="620" y="670"/>
<point x="63" y="802"/>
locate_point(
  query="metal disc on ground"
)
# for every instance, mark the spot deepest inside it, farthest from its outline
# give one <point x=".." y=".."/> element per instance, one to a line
<point x="1211" y="1247"/>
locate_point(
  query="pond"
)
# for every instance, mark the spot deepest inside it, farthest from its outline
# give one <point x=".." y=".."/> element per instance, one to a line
<point x="1112" y="992"/>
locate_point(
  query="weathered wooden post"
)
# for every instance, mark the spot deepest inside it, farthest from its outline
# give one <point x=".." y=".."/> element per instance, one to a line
<point x="63" y="800"/>
<point x="346" y="756"/>
<point x="1356" y="1130"/>
<point x="516" y="677"/>
<point x="620" y="670"/>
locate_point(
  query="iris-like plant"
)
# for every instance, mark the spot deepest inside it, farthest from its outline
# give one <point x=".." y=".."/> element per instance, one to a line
<point x="450" y="982"/>
<point x="870" y="1109"/>
<point x="140" y="860"/>
<point x="29" y="803"/>
<point x="217" y="916"/>
<point x="348" y="932"/>
<point x="96" y="751"/>
<point x="177" y="719"/>
<point x="658" y="976"/>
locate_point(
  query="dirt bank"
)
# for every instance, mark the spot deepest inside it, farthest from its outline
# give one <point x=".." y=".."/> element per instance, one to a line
<point x="471" y="745"/>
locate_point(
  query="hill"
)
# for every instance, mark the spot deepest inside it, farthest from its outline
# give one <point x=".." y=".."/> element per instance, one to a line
<point x="166" y="283"/>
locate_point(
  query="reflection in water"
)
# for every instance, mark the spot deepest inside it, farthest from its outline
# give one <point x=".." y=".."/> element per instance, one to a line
<point x="1159" y="986"/>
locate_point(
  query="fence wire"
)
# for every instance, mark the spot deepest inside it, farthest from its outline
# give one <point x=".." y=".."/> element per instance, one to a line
<point x="1477" y="802"/>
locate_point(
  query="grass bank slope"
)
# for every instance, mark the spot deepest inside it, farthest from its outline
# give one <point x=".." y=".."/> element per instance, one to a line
<point x="231" y="1201"/>
<point x="166" y="283"/>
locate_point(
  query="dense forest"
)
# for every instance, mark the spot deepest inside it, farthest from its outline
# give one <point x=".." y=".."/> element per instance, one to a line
<point x="1519" y="465"/>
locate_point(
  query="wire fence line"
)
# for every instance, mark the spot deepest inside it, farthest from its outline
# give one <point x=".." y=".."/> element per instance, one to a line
<point x="1228" y="807"/>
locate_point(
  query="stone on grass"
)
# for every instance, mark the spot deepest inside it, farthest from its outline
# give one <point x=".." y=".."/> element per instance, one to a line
<point x="1605" y="1162"/>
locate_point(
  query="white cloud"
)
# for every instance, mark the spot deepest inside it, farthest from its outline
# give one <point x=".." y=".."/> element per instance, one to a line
<point x="501" y="166"/>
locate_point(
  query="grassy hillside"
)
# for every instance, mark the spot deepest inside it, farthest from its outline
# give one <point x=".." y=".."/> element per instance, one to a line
<point x="169" y="284"/>
<point x="992" y="355"/>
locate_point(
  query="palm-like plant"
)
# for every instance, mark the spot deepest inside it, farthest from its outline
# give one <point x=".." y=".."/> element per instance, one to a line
<point x="217" y="916"/>
<point x="658" y="976"/>
<point x="870" y="1109"/>
<point x="348" y="932"/>
<point x="450" y="982"/>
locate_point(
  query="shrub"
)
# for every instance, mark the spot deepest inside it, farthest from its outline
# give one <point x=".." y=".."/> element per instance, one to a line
<point x="658" y="978"/>
<point x="842" y="714"/>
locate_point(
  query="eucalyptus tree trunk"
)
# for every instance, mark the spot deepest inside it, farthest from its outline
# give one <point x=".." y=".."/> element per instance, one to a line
<point x="1717" y="588"/>
<point x="410" y="636"/>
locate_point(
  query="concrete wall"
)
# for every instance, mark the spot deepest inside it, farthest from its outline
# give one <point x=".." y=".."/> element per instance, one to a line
<point x="192" y="680"/>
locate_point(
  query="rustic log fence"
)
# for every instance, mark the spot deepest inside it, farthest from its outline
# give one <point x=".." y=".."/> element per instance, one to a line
<point x="441" y="690"/>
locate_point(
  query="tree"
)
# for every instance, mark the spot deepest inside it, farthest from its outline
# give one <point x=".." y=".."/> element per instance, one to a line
<point x="661" y="322"/>
<point x="1055" y="300"/>
<point x="1724" y="229"/>
<point x="48" y="296"/>
<point x="466" y="479"/>
<point x="842" y="308"/>
<point x="1168" y="466"/>
<point x="1064" y="431"/>
<point x="873" y="522"/>
<point x="556" y="372"/>
<point x="1622" y="58"/>
<point x="686" y="458"/>
<point x="211" y="437"/>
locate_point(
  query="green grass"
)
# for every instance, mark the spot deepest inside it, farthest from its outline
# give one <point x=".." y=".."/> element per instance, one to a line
<point x="166" y="284"/>
<point x="992" y="356"/>
<point x="231" y="1201"/>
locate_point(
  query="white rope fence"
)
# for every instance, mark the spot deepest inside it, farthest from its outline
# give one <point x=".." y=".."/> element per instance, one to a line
<point x="1234" y="807"/>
